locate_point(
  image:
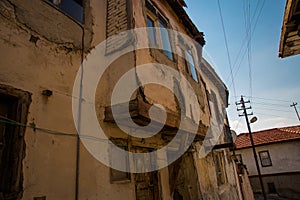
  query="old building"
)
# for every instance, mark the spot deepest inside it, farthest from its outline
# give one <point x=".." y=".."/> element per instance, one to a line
<point x="279" y="160"/>
<point x="50" y="51"/>
<point x="290" y="32"/>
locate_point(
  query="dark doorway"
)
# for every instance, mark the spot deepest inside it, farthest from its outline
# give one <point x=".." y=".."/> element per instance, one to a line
<point x="183" y="178"/>
<point x="146" y="184"/>
<point x="13" y="110"/>
<point x="272" y="188"/>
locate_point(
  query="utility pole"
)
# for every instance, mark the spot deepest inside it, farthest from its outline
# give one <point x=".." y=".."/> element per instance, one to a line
<point x="294" y="105"/>
<point x="244" y="109"/>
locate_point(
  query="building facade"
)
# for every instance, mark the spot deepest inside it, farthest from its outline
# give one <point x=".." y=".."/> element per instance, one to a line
<point x="278" y="153"/>
<point x="290" y="31"/>
<point x="47" y="45"/>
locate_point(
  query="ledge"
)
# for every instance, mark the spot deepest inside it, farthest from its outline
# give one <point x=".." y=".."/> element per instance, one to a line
<point x="138" y="110"/>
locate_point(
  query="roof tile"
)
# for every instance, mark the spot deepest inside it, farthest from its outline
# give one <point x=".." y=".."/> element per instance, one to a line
<point x="268" y="136"/>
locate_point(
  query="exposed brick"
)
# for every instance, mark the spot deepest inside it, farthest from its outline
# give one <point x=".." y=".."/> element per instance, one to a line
<point x="117" y="22"/>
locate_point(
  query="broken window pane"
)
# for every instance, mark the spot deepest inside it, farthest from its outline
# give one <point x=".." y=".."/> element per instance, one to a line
<point x="73" y="8"/>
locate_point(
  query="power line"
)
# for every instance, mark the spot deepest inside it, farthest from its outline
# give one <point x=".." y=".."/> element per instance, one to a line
<point x="260" y="108"/>
<point x="245" y="37"/>
<point x="281" y="100"/>
<point x="6" y="120"/>
<point x="237" y="125"/>
<point x="268" y="99"/>
<point x="273" y="115"/>
<point x="227" y="48"/>
<point x="248" y="30"/>
<point x="242" y="49"/>
<point x="270" y="104"/>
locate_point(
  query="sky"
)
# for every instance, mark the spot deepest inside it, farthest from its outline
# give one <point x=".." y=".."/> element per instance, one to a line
<point x="271" y="83"/>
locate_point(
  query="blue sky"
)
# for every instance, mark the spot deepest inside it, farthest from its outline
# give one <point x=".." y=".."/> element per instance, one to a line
<point x="275" y="81"/>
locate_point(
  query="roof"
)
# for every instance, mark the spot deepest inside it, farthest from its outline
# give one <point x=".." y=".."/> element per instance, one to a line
<point x="290" y="32"/>
<point x="269" y="136"/>
<point x="177" y="6"/>
<point x="208" y="70"/>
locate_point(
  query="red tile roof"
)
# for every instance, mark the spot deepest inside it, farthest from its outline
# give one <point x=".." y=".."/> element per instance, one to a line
<point x="268" y="136"/>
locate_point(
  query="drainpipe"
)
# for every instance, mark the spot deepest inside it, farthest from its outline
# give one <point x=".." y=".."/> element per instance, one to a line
<point x="79" y="121"/>
<point x="79" y="110"/>
<point x="80" y="91"/>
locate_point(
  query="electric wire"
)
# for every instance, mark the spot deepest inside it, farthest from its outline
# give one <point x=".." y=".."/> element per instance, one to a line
<point x="6" y="120"/>
<point x="260" y="108"/>
<point x="243" y="46"/>
<point x="248" y="32"/>
<point x="237" y="125"/>
<point x="268" y="99"/>
<point x="270" y="104"/>
<point x="274" y="115"/>
<point x="245" y="40"/>
<point x="227" y="48"/>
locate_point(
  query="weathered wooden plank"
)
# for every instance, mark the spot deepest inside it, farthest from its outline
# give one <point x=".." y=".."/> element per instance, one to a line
<point x="292" y="38"/>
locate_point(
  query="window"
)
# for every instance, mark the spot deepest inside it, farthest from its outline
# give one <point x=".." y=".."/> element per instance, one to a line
<point x="151" y="33"/>
<point x="160" y="38"/>
<point x="265" y="158"/>
<point x="165" y="39"/>
<point x="272" y="188"/>
<point x="186" y="66"/>
<point x="74" y="8"/>
<point x="192" y="66"/>
<point x="213" y="98"/>
<point x="147" y="184"/>
<point x="220" y="167"/>
<point x="116" y="175"/>
<point x="189" y="62"/>
<point x="228" y="135"/>
<point x="239" y="158"/>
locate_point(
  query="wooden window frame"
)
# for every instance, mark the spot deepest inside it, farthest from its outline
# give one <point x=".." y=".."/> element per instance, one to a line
<point x="219" y="161"/>
<point x="152" y="43"/>
<point x="261" y="160"/>
<point x="158" y="18"/>
<point x="121" y="143"/>
<point x="192" y="66"/>
<point x="185" y="50"/>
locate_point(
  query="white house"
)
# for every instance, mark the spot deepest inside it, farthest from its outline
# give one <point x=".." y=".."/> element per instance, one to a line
<point x="278" y="152"/>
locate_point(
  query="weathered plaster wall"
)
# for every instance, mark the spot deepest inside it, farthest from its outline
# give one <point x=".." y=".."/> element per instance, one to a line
<point x="206" y="168"/>
<point x="150" y="56"/>
<point x="52" y="63"/>
<point x="206" y="165"/>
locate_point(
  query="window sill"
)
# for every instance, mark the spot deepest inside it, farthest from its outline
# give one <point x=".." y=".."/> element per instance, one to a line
<point x="267" y="166"/>
<point x="161" y="57"/>
<point x="121" y="182"/>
